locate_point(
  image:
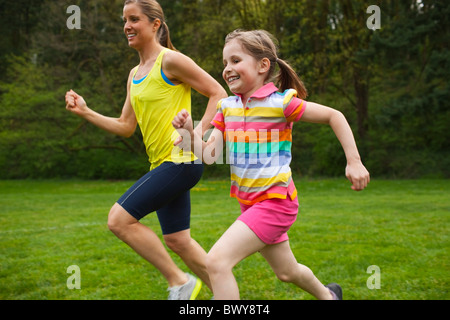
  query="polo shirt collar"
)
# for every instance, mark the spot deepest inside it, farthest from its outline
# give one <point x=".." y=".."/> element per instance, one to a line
<point x="263" y="92"/>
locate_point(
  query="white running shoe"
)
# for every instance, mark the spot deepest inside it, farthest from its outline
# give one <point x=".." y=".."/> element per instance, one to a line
<point x="187" y="291"/>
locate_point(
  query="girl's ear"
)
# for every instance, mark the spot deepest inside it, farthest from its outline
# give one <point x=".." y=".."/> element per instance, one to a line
<point x="264" y="65"/>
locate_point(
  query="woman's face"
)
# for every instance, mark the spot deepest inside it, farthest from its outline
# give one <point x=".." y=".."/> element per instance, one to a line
<point x="137" y="27"/>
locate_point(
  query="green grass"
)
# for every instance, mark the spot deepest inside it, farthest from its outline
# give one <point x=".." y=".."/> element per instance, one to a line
<point x="400" y="226"/>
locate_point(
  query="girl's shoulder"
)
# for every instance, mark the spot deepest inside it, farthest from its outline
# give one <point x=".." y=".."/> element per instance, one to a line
<point x="230" y="102"/>
<point x="286" y="97"/>
<point x="287" y="93"/>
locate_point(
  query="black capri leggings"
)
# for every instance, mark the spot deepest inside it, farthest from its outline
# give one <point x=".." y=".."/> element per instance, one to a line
<point x="166" y="190"/>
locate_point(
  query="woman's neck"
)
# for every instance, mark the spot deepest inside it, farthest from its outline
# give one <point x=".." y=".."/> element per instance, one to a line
<point x="149" y="53"/>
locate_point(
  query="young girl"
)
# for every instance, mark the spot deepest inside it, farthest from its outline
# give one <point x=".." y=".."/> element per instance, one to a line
<point x="256" y="125"/>
<point x="157" y="89"/>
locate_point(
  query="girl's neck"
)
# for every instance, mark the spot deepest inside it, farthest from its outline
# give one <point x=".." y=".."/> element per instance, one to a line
<point x="245" y="99"/>
<point x="246" y="96"/>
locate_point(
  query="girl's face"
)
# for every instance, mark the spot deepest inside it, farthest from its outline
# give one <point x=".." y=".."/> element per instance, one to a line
<point x="137" y="27"/>
<point x="242" y="72"/>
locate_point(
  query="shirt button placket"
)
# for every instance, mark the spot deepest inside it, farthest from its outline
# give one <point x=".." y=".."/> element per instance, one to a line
<point x="245" y="112"/>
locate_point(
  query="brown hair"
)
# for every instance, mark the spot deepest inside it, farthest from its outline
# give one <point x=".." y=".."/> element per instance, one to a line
<point x="261" y="44"/>
<point x="152" y="9"/>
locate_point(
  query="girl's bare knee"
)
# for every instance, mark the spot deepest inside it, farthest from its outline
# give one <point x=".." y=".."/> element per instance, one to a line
<point x="285" y="276"/>
<point x="216" y="264"/>
<point x="295" y="274"/>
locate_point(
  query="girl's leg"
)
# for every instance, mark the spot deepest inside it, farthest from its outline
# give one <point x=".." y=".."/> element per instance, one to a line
<point x="285" y="266"/>
<point x="237" y="243"/>
<point x="146" y="243"/>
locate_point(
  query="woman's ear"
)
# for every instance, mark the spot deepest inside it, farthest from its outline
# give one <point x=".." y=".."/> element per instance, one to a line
<point x="264" y="65"/>
<point x="156" y="24"/>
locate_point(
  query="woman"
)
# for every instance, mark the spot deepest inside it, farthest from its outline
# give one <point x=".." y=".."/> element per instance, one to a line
<point x="157" y="89"/>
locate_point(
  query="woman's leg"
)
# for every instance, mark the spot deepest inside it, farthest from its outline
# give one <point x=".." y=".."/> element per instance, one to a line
<point x="285" y="266"/>
<point x="190" y="252"/>
<point x="146" y="243"/>
<point x="166" y="190"/>
<point x="174" y="219"/>
<point x="237" y="243"/>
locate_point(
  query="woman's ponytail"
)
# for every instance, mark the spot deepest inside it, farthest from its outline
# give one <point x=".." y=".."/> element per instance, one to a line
<point x="152" y="9"/>
<point x="164" y="36"/>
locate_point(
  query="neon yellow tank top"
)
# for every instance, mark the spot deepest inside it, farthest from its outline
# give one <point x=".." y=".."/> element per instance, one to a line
<point x="156" y="103"/>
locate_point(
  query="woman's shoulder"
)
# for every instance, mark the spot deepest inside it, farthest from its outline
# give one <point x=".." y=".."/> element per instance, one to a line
<point x="133" y="71"/>
<point x="131" y="75"/>
<point x="173" y="59"/>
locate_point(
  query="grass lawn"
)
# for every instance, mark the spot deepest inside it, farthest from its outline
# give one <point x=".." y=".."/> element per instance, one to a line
<point x="402" y="227"/>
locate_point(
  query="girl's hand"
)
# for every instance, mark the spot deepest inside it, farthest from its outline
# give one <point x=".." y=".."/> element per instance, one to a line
<point x="358" y="175"/>
<point x="183" y="124"/>
<point x="75" y="103"/>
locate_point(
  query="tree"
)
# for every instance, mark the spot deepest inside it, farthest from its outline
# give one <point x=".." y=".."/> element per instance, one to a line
<point x="413" y="113"/>
<point x="392" y="84"/>
<point x="19" y="19"/>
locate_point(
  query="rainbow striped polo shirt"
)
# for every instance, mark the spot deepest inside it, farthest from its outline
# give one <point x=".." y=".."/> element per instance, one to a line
<point x="258" y="139"/>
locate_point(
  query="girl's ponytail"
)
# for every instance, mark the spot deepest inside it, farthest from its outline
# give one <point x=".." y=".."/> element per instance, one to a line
<point x="261" y="44"/>
<point x="287" y="78"/>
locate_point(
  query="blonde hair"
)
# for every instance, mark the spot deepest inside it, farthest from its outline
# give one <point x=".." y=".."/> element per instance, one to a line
<point x="152" y="9"/>
<point x="261" y="44"/>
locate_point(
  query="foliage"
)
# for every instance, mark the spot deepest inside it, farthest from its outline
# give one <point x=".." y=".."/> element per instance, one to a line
<point x="392" y="84"/>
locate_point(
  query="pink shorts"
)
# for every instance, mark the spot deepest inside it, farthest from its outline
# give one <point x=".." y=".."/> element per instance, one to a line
<point x="270" y="219"/>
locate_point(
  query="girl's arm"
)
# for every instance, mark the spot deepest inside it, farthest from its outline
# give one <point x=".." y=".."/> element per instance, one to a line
<point x="181" y="68"/>
<point x="124" y="126"/>
<point x="355" y="171"/>
<point x="190" y="140"/>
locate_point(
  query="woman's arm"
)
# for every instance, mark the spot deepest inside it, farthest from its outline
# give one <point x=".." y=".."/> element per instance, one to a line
<point x="181" y="68"/>
<point x="355" y="171"/>
<point x="124" y="126"/>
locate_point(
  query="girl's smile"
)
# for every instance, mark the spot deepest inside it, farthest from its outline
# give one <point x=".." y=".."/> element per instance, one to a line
<point x="242" y="72"/>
